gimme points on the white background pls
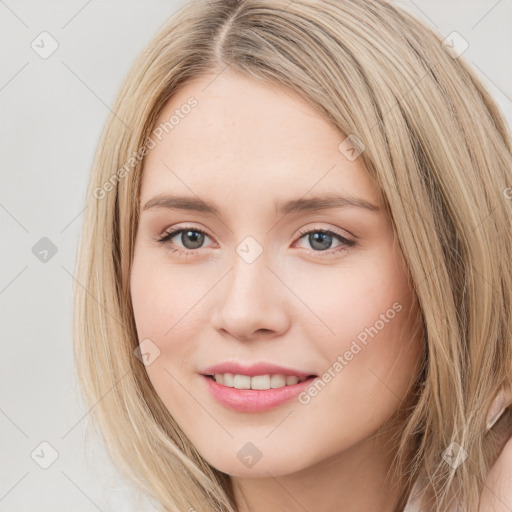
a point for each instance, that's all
(53, 112)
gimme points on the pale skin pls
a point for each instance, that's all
(497, 492)
(242, 148)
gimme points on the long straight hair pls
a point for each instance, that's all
(439, 150)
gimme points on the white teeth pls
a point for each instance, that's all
(291, 379)
(260, 382)
(277, 381)
(257, 382)
(241, 382)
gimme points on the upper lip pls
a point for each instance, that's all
(251, 370)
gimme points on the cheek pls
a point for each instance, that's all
(162, 296)
(168, 307)
(347, 301)
(369, 341)
(160, 305)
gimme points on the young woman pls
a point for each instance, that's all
(295, 285)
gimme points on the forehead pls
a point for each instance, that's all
(243, 139)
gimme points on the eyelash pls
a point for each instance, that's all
(190, 252)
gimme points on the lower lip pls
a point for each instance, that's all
(254, 400)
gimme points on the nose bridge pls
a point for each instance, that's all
(250, 298)
(249, 274)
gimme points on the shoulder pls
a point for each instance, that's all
(497, 492)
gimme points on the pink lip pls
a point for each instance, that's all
(254, 369)
(254, 400)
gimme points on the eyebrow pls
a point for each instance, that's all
(290, 206)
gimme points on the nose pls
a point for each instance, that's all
(252, 301)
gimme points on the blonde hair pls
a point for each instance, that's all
(440, 152)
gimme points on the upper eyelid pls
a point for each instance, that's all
(304, 231)
(179, 229)
(301, 232)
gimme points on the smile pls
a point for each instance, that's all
(254, 399)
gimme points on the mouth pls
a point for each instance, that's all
(246, 394)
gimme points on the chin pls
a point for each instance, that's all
(247, 462)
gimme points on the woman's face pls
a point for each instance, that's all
(314, 286)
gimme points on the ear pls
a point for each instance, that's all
(502, 400)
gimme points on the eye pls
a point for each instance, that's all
(191, 237)
(321, 240)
